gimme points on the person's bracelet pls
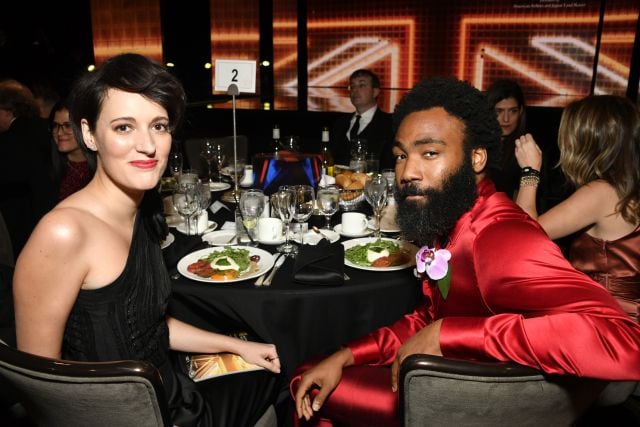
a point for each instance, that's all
(529, 177)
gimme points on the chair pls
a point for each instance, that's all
(193, 146)
(63, 393)
(436, 391)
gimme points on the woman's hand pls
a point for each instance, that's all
(528, 153)
(264, 355)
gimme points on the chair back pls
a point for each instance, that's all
(64, 393)
(436, 391)
(193, 146)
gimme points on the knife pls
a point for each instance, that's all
(266, 273)
(279, 262)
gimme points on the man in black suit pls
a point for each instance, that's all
(368, 122)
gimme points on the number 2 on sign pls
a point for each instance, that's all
(235, 75)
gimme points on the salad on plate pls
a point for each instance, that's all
(378, 253)
(227, 264)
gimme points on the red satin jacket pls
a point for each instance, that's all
(514, 297)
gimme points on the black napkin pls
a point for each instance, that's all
(322, 264)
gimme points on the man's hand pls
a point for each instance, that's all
(326, 375)
(427, 341)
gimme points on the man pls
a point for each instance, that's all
(512, 296)
(368, 123)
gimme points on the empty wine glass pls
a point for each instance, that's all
(175, 163)
(375, 191)
(329, 202)
(303, 205)
(284, 200)
(251, 206)
(185, 202)
(208, 153)
(203, 197)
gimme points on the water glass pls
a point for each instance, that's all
(283, 204)
(329, 202)
(375, 191)
(250, 208)
(303, 206)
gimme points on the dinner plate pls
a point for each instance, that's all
(265, 263)
(312, 238)
(182, 227)
(410, 247)
(385, 228)
(219, 186)
(219, 238)
(169, 240)
(338, 229)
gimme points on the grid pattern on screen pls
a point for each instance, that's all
(285, 54)
(125, 26)
(235, 34)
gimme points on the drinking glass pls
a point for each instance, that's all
(303, 205)
(175, 163)
(358, 151)
(375, 191)
(329, 202)
(284, 200)
(208, 153)
(185, 202)
(251, 206)
(203, 197)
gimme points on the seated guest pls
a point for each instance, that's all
(71, 170)
(91, 284)
(368, 122)
(599, 141)
(511, 296)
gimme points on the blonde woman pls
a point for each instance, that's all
(599, 140)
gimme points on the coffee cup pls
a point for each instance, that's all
(269, 229)
(354, 223)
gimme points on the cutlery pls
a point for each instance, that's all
(317, 230)
(279, 262)
(264, 275)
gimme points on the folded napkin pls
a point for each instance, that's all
(322, 264)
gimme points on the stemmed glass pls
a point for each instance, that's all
(329, 202)
(284, 200)
(251, 206)
(209, 154)
(303, 206)
(175, 163)
(375, 191)
(203, 197)
(185, 202)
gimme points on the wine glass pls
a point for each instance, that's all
(251, 206)
(329, 202)
(185, 202)
(209, 154)
(375, 191)
(175, 163)
(203, 197)
(284, 200)
(303, 206)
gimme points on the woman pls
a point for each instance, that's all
(506, 97)
(70, 168)
(91, 283)
(599, 140)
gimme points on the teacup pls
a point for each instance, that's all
(354, 223)
(269, 229)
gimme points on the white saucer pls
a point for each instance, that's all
(220, 238)
(338, 229)
(385, 228)
(211, 225)
(272, 242)
(312, 238)
(169, 240)
(219, 186)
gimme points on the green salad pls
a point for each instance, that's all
(239, 256)
(367, 254)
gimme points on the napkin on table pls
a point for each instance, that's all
(322, 264)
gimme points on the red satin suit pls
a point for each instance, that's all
(513, 297)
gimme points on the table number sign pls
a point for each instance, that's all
(235, 71)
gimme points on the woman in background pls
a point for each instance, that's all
(70, 168)
(91, 284)
(599, 140)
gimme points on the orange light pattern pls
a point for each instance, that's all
(124, 26)
(285, 53)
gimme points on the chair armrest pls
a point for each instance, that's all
(465, 367)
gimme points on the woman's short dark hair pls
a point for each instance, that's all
(461, 100)
(127, 72)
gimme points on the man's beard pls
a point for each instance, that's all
(429, 222)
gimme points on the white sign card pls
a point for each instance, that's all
(236, 71)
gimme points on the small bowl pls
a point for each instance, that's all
(350, 199)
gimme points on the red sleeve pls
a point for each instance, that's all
(565, 322)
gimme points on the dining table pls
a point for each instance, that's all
(302, 320)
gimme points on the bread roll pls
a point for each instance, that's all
(343, 180)
(359, 176)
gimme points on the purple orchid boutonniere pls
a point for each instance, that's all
(435, 263)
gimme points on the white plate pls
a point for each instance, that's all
(410, 247)
(182, 227)
(169, 240)
(219, 238)
(338, 229)
(265, 263)
(312, 238)
(273, 242)
(219, 186)
(387, 229)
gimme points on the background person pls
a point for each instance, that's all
(599, 142)
(91, 284)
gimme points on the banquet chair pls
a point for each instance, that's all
(62, 393)
(436, 391)
(193, 146)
